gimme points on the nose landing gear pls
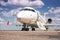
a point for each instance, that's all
(25, 27)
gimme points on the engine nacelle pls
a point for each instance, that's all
(49, 20)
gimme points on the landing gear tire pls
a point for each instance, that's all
(46, 28)
(25, 29)
(33, 29)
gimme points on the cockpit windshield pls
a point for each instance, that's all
(28, 10)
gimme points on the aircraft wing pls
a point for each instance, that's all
(51, 24)
(16, 25)
(10, 24)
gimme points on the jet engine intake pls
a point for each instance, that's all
(49, 20)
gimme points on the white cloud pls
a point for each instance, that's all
(57, 10)
(10, 13)
(54, 10)
(37, 3)
(1, 8)
(24, 3)
(1, 19)
(3, 3)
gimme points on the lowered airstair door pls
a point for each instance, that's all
(40, 25)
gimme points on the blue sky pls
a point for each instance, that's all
(44, 6)
(9, 8)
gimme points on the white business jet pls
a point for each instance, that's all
(31, 17)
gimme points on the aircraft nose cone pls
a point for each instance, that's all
(22, 14)
(19, 15)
